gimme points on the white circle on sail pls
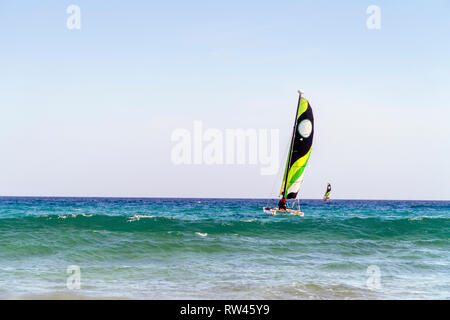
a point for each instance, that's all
(305, 128)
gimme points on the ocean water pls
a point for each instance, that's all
(223, 249)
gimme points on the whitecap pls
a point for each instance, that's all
(201, 234)
(138, 217)
(420, 218)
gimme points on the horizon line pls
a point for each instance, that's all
(207, 198)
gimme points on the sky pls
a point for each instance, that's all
(92, 111)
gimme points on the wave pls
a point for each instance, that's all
(275, 227)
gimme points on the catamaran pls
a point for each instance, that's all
(326, 196)
(298, 156)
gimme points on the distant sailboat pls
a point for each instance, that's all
(299, 152)
(326, 196)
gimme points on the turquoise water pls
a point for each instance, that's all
(224, 249)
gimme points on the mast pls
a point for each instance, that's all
(290, 148)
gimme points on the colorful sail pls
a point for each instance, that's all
(326, 196)
(299, 151)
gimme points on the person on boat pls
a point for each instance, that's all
(282, 204)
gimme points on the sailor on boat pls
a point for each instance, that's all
(282, 204)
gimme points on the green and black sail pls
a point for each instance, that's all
(326, 196)
(299, 151)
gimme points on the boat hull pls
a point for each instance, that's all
(276, 211)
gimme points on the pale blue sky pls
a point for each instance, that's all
(90, 112)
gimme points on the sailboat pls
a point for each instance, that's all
(326, 196)
(298, 156)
